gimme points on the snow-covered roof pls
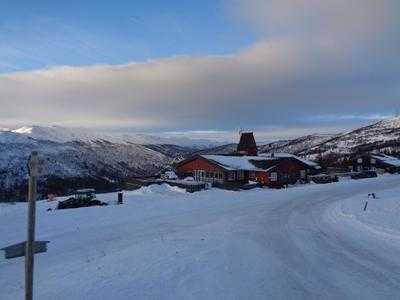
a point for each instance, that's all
(390, 160)
(245, 162)
(288, 155)
(235, 162)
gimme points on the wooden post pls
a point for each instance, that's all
(120, 197)
(33, 165)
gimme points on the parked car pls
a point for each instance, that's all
(364, 174)
(324, 178)
(82, 198)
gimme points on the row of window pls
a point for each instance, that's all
(273, 176)
(212, 175)
(232, 175)
(372, 160)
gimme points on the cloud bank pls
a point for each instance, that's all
(314, 58)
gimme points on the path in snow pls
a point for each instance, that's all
(211, 245)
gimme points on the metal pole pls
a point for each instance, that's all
(29, 255)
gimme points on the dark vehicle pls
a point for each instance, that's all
(364, 174)
(324, 178)
(82, 198)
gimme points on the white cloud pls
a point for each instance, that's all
(315, 58)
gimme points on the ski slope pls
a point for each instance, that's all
(307, 242)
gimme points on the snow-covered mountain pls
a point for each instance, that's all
(383, 136)
(292, 146)
(80, 158)
(297, 145)
(63, 134)
(73, 157)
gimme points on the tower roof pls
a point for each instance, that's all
(247, 143)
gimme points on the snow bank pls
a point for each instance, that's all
(163, 243)
(163, 189)
(381, 217)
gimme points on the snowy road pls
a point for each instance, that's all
(287, 244)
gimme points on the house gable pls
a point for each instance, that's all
(198, 163)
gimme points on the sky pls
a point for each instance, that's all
(200, 68)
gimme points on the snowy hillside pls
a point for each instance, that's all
(292, 146)
(296, 145)
(103, 159)
(309, 242)
(223, 149)
(96, 161)
(381, 136)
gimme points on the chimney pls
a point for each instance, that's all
(247, 144)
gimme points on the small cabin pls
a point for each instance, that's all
(373, 162)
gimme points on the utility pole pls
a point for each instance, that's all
(33, 169)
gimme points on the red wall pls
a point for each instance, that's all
(197, 164)
(252, 151)
(285, 167)
(289, 167)
(262, 177)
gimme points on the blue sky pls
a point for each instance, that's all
(200, 66)
(41, 34)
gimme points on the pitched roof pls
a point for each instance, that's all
(233, 163)
(278, 156)
(250, 163)
(246, 142)
(387, 159)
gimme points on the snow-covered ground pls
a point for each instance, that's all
(307, 242)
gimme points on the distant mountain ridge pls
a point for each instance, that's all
(297, 145)
(75, 159)
(62, 134)
(78, 159)
(382, 136)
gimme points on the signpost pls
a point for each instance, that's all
(35, 169)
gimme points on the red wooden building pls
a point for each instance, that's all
(234, 170)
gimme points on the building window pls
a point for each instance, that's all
(241, 174)
(273, 176)
(199, 175)
(231, 176)
(252, 175)
(302, 174)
